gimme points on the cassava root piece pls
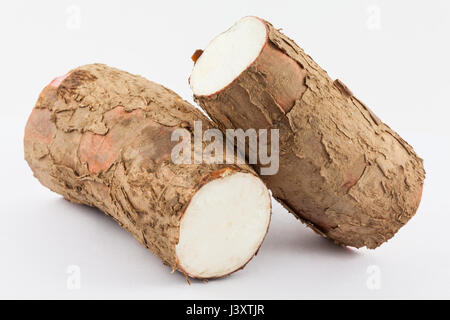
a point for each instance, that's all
(102, 137)
(341, 170)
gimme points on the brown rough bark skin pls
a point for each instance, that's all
(102, 137)
(342, 171)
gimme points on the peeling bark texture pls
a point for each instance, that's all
(102, 137)
(342, 171)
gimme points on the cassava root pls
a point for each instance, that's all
(102, 137)
(341, 169)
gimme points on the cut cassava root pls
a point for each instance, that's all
(341, 170)
(102, 137)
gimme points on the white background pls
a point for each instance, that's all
(394, 55)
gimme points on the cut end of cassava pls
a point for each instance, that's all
(223, 226)
(228, 55)
(347, 193)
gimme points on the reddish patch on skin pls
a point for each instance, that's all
(39, 127)
(354, 173)
(350, 183)
(100, 151)
(58, 80)
(284, 74)
(119, 114)
(97, 151)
